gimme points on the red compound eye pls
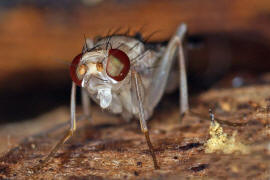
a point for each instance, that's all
(73, 70)
(118, 64)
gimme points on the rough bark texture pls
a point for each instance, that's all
(109, 148)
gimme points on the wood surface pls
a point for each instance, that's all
(109, 148)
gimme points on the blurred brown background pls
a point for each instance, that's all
(39, 38)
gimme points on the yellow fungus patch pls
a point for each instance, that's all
(220, 141)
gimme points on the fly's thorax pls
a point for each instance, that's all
(131, 46)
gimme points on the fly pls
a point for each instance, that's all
(116, 72)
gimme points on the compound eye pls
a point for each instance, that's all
(77, 72)
(118, 64)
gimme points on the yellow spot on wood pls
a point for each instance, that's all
(220, 141)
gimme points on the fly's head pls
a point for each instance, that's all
(100, 71)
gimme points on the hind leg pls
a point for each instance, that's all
(161, 74)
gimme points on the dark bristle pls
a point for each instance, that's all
(85, 47)
(127, 31)
(138, 36)
(116, 31)
(109, 32)
(108, 42)
(155, 46)
(98, 38)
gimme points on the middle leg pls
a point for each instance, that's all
(137, 84)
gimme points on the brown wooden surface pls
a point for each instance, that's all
(109, 148)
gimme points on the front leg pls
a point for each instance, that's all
(86, 103)
(86, 108)
(68, 134)
(138, 96)
(161, 74)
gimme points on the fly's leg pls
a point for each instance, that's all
(138, 86)
(69, 133)
(86, 109)
(183, 87)
(162, 72)
(86, 103)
